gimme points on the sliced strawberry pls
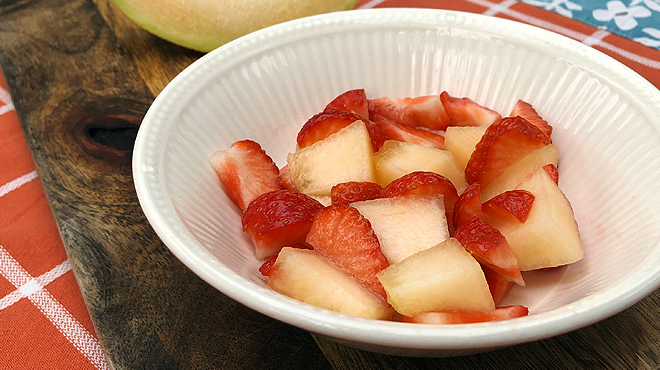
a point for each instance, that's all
(328, 122)
(551, 170)
(279, 218)
(286, 180)
(341, 234)
(376, 134)
(510, 206)
(324, 124)
(488, 246)
(246, 171)
(265, 267)
(468, 205)
(424, 183)
(498, 284)
(409, 134)
(354, 191)
(423, 111)
(353, 101)
(526, 111)
(421, 183)
(465, 112)
(503, 144)
(468, 317)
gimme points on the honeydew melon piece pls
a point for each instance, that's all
(461, 142)
(442, 278)
(550, 236)
(305, 275)
(398, 158)
(406, 225)
(344, 156)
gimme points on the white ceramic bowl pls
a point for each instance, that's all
(265, 85)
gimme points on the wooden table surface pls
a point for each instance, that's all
(82, 76)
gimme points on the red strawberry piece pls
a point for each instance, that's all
(279, 218)
(498, 284)
(286, 180)
(246, 171)
(328, 122)
(423, 111)
(468, 317)
(551, 170)
(503, 144)
(353, 101)
(376, 134)
(527, 111)
(324, 124)
(424, 183)
(409, 134)
(468, 205)
(265, 267)
(465, 112)
(421, 183)
(341, 234)
(510, 206)
(354, 191)
(488, 246)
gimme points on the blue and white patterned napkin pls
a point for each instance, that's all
(638, 20)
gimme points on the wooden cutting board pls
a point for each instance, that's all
(82, 76)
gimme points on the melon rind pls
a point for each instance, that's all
(204, 25)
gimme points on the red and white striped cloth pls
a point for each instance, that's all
(44, 323)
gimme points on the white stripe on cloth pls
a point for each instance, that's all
(33, 289)
(499, 8)
(6, 99)
(17, 183)
(33, 285)
(596, 37)
(370, 4)
(588, 39)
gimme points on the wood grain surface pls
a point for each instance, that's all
(82, 76)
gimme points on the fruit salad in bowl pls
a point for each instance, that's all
(385, 223)
(415, 182)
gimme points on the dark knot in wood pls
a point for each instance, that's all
(109, 137)
(114, 132)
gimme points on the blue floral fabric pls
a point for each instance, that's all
(637, 20)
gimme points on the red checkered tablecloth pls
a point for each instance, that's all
(44, 323)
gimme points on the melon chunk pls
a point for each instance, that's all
(305, 275)
(442, 278)
(406, 225)
(461, 142)
(550, 236)
(397, 158)
(344, 156)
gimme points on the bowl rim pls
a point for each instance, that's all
(396, 334)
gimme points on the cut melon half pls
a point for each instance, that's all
(204, 25)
